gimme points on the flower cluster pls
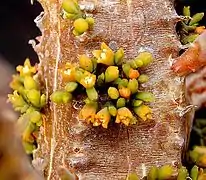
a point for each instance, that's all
(107, 74)
(190, 26)
(28, 100)
(72, 11)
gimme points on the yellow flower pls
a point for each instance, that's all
(144, 112)
(124, 116)
(105, 55)
(88, 80)
(102, 117)
(27, 69)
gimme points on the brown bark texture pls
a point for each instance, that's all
(110, 154)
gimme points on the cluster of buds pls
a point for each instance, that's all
(107, 74)
(166, 172)
(28, 100)
(190, 26)
(72, 11)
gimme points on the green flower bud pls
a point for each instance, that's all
(189, 39)
(30, 83)
(113, 93)
(105, 55)
(60, 97)
(194, 173)
(126, 68)
(186, 11)
(136, 103)
(182, 174)
(145, 96)
(196, 18)
(35, 116)
(92, 94)
(165, 172)
(112, 110)
(118, 57)
(86, 63)
(117, 81)
(81, 25)
(111, 74)
(133, 85)
(28, 147)
(132, 176)
(153, 173)
(144, 112)
(121, 102)
(138, 62)
(71, 86)
(90, 21)
(100, 79)
(34, 96)
(145, 57)
(143, 78)
(43, 100)
(27, 134)
(123, 83)
(71, 6)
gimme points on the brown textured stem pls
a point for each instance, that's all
(107, 154)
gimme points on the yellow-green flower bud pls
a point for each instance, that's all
(144, 112)
(76, 33)
(196, 18)
(86, 63)
(34, 96)
(143, 78)
(145, 57)
(92, 94)
(186, 11)
(71, 86)
(126, 68)
(194, 173)
(189, 39)
(121, 102)
(123, 83)
(90, 21)
(165, 172)
(27, 134)
(113, 93)
(30, 83)
(28, 147)
(103, 117)
(88, 80)
(138, 62)
(39, 123)
(136, 103)
(71, 6)
(111, 74)
(60, 97)
(133, 85)
(43, 100)
(81, 25)
(118, 57)
(124, 116)
(153, 173)
(182, 174)
(112, 110)
(132, 176)
(17, 82)
(35, 116)
(100, 79)
(145, 96)
(105, 55)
